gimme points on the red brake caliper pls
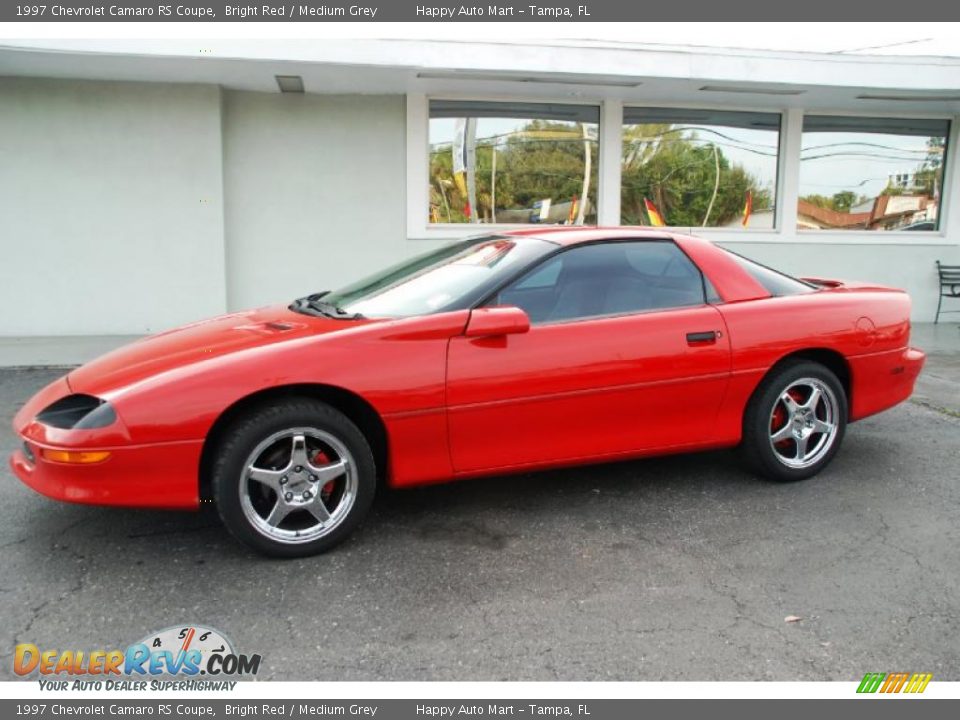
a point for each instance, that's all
(780, 418)
(321, 458)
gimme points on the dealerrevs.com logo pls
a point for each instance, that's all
(184, 652)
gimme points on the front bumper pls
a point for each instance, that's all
(150, 476)
(156, 475)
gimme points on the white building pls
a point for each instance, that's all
(148, 184)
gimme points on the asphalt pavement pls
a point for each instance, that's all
(683, 568)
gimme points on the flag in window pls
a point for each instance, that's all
(656, 219)
(747, 209)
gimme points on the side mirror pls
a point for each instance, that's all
(492, 321)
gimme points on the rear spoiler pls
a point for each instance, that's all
(828, 284)
(823, 282)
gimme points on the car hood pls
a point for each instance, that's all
(200, 342)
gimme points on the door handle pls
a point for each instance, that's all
(707, 337)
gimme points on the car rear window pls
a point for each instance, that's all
(774, 282)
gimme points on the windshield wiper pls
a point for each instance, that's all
(322, 307)
(332, 310)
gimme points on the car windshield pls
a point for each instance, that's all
(448, 278)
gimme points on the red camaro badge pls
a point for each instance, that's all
(504, 353)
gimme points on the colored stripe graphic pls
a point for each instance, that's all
(870, 682)
(894, 682)
(918, 682)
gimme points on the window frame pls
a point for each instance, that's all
(937, 236)
(781, 159)
(610, 149)
(527, 272)
(422, 227)
(418, 163)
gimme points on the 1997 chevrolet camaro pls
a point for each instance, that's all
(504, 353)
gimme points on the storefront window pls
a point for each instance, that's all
(859, 173)
(699, 168)
(513, 163)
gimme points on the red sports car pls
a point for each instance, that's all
(504, 353)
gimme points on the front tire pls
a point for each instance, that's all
(795, 422)
(294, 478)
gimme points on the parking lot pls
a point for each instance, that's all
(682, 568)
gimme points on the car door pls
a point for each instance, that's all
(624, 356)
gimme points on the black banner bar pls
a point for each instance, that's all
(439, 11)
(874, 708)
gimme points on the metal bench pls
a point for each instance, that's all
(949, 286)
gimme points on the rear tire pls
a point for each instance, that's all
(294, 478)
(795, 422)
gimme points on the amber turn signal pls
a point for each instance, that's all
(74, 457)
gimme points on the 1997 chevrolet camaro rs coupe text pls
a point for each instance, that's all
(509, 352)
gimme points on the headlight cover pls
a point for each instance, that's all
(78, 412)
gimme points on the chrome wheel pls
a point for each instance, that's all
(298, 485)
(803, 423)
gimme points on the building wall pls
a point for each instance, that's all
(314, 192)
(129, 208)
(111, 206)
(911, 267)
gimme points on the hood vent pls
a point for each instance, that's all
(270, 327)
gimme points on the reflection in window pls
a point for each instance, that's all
(699, 168)
(447, 278)
(513, 163)
(860, 173)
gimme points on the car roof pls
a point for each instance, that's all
(573, 235)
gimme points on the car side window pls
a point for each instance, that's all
(611, 278)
